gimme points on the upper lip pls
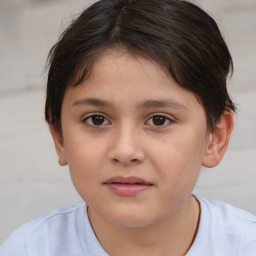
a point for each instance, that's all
(126, 180)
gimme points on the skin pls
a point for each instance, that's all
(127, 93)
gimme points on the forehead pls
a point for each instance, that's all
(117, 75)
(132, 66)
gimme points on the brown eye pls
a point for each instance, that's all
(96, 120)
(159, 120)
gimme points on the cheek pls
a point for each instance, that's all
(178, 169)
(179, 159)
(84, 160)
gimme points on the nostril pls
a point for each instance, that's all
(127, 161)
(126, 156)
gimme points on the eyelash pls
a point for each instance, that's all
(89, 120)
(86, 120)
(166, 119)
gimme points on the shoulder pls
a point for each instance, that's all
(231, 218)
(32, 235)
(225, 228)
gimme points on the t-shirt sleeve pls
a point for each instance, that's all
(15, 244)
(54, 233)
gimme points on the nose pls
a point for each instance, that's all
(126, 147)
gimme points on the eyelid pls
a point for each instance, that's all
(171, 120)
(168, 117)
(86, 117)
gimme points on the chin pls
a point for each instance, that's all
(132, 220)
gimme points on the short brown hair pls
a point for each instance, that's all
(177, 34)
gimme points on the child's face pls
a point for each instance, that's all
(130, 119)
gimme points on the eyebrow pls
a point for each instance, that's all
(162, 103)
(91, 102)
(143, 104)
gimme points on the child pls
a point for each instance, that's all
(137, 103)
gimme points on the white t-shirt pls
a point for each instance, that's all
(223, 231)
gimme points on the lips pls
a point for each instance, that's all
(127, 186)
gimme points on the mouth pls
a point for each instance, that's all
(127, 186)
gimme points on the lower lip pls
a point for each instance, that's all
(128, 189)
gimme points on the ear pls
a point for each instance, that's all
(59, 146)
(218, 140)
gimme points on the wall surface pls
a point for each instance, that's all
(31, 182)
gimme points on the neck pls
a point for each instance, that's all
(172, 235)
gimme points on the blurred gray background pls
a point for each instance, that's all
(31, 182)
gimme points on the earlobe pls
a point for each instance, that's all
(59, 146)
(218, 140)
